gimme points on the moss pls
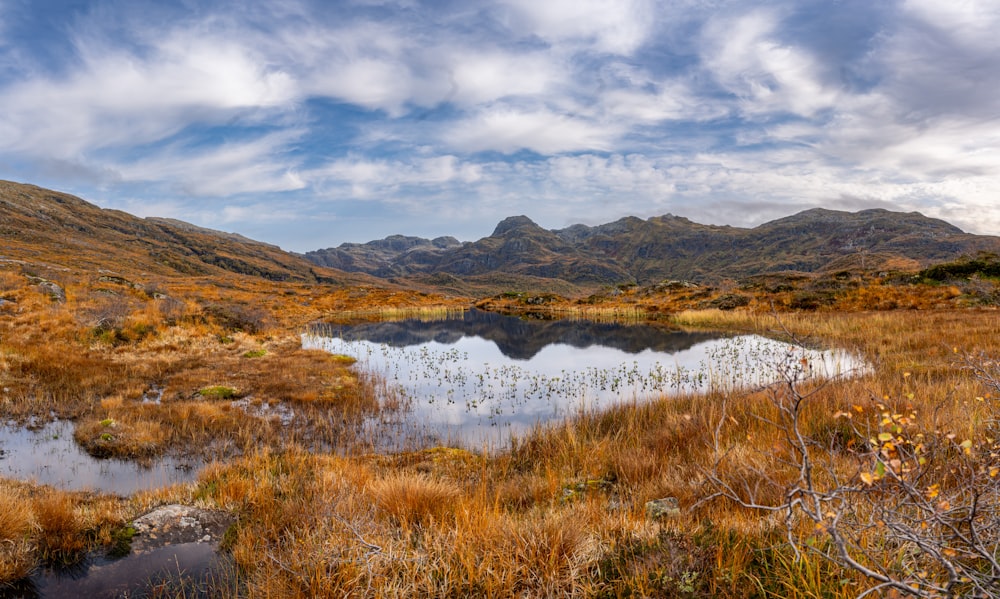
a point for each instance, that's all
(219, 392)
(121, 541)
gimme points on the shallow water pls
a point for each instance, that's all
(477, 380)
(184, 565)
(49, 455)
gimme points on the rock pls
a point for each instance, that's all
(666, 507)
(176, 524)
(54, 291)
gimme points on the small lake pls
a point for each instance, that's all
(476, 379)
(48, 455)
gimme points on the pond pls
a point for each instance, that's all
(479, 378)
(49, 455)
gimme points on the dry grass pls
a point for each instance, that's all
(414, 500)
(61, 536)
(560, 514)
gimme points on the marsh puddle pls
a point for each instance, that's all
(49, 455)
(138, 575)
(477, 379)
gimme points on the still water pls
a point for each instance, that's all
(478, 379)
(48, 455)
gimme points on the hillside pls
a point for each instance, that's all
(49, 228)
(644, 252)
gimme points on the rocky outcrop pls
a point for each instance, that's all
(633, 250)
(177, 524)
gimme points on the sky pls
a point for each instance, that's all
(308, 124)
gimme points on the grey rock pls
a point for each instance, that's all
(666, 507)
(54, 291)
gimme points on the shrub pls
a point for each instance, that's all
(919, 511)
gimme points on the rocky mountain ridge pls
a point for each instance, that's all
(643, 252)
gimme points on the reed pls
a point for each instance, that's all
(395, 313)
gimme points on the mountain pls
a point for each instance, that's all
(40, 226)
(633, 250)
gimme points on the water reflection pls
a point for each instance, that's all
(517, 338)
(475, 381)
(186, 569)
(49, 455)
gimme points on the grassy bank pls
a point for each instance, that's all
(562, 513)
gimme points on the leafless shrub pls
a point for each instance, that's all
(915, 510)
(109, 313)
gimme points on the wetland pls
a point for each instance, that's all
(475, 379)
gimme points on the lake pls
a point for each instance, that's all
(477, 379)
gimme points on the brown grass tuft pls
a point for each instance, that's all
(414, 499)
(16, 517)
(61, 538)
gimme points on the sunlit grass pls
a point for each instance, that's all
(389, 314)
(561, 513)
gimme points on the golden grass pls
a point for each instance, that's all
(16, 516)
(61, 537)
(559, 514)
(422, 313)
(411, 500)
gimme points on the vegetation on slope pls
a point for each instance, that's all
(563, 512)
(645, 252)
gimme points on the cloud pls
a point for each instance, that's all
(481, 77)
(505, 129)
(366, 178)
(118, 97)
(611, 26)
(768, 76)
(227, 169)
(417, 116)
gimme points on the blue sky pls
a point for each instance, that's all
(311, 123)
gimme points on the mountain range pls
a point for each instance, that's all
(645, 252)
(44, 227)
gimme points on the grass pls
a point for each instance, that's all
(319, 517)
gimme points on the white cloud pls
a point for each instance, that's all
(671, 100)
(481, 77)
(721, 111)
(508, 130)
(222, 170)
(768, 76)
(612, 26)
(118, 97)
(366, 178)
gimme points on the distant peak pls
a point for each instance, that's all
(513, 222)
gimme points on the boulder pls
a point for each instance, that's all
(659, 509)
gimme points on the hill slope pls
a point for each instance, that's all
(632, 250)
(47, 227)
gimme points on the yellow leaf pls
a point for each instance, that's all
(867, 478)
(885, 436)
(933, 491)
(994, 471)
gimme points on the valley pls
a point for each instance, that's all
(150, 340)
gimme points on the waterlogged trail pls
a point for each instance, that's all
(466, 390)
